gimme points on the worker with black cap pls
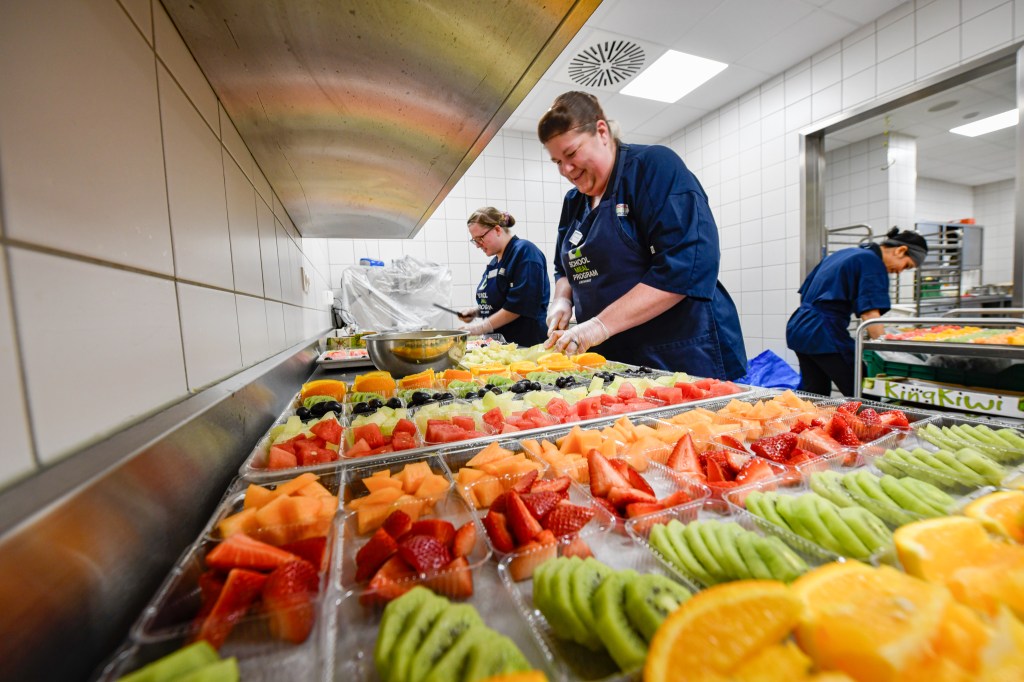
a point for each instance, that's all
(850, 281)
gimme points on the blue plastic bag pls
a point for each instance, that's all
(768, 370)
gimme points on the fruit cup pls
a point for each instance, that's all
(449, 422)
(372, 491)
(635, 592)
(358, 618)
(871, 420)
(797, 513)
(131, 656)
(292, 446)
(259, 603)
(706, 546)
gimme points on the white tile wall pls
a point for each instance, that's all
(96, 163)
(940, 201)
(994, 210)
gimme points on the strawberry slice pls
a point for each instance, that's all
(815, 440)
(566, 519)
(241, 551)
(775, 448)
(288, 600)
(603, 476)
(500, 503)
(439, 529)
(240, 590)
(391, 581)
(869, 416)
(638, 481)
(558, 485)
(424, 553)
(210, 585)
(851, 406)
(522, 523)
(525, 482)
(577, 547)
(496, 525)
(465, 540)
(313, 550)
(540, 504)
(621, 466)
(675, 499)
(641, 508)
(732, 442)
(840, 430)
(735, 461)
(397, 524)
(715, 472)
(621, 497)
(455, 581)
(684, 456)
(755, 470)
(798, 427)
(605, 504)
(374, 553)
(895, 419)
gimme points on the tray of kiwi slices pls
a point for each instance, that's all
(390, 635)
(595, 603)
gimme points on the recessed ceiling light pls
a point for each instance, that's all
(988, 125)
(942, 106)
(969, 116)
(672, 76)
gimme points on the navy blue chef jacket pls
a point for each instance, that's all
(654, 226)
(519, 284)
(849, 281)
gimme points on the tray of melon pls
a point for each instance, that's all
(405, 525)
(256, 592)
(596, 607)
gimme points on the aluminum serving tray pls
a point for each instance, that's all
(574, 662)
(342, 363)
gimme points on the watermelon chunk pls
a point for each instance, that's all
(464, 423)
(370, 433)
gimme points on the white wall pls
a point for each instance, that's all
(943, 202)
(143, 255)
(993, 209)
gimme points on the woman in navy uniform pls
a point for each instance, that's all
(512, 297)
(637, 252)
(850, 281)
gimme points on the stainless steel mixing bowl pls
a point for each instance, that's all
(404, 353)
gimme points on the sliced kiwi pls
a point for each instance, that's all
(455, 620)
(626, 646)
(587, 577)
(413, 631)
(561, 597)
(499, 655)
(455, 660)
(649, 600)
(392, 625)
(690, 563)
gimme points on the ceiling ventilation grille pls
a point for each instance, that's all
(606, 63)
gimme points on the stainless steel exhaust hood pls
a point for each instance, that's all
(363, 114)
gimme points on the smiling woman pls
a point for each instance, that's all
(513, 293)
(637, 252)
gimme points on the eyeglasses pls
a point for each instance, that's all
(480, 240)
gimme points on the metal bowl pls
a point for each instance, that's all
(404, 353)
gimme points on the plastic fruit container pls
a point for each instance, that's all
(640, 530)
(369, 502)
(255, 467)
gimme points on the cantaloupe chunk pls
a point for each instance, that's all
(433, 485)
(314, 489)
(297, 483)
(287, 519)
(371, 517)
(256, 496)
(650, 448)
(467, 475)
(383, 473)
(609, 448)
(531, 446)
(375, 483)
(485, 491)
(491, 453)
(412, 475)
(242, 522)
(383, 496)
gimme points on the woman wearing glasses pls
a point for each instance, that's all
(637, 252)
(512, 297)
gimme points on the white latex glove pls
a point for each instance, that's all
(478, 327)
(468, 314)
(580, 338)
(559, 312)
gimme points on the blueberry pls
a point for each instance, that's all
(445, 396)
(303, 414)
(318, 410)
(419, 398)
(469, 395)
(488, 387)
(375, 404)
(394, 403)
(481, 393)
(644, 370)
(495, 390)
(534, 385)
(516, 388)
(360, 408)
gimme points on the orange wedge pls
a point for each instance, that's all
(718, 630)
(332, 387)
(1002, 513)
(589, 359)
(451, 375)
(424, 379)
(374, 382)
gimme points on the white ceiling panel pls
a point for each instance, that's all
(737, 26)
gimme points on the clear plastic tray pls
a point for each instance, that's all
(355, 628)
(1013, 477)
(640, 529)
(788, 486)
(574, 661)
(354, 488)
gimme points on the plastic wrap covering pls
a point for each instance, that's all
(396, 298)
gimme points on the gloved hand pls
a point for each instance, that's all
(559, 312)
(580, 338)
(468, 314)
(481, 326)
